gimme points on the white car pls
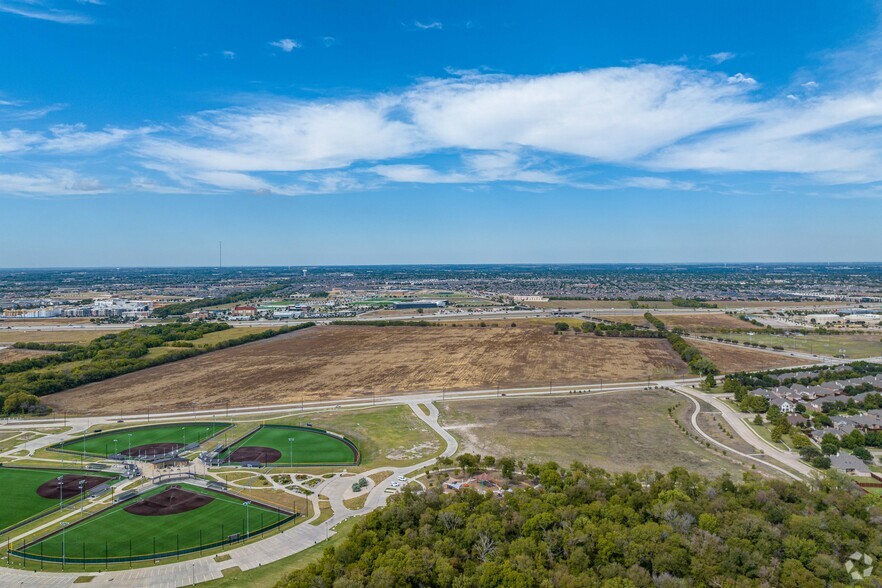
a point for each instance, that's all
(402, 479)
(395, 484)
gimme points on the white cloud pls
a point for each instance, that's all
(609, 114)
(75, 138)
(655, 183)
(58, 182)
(810, 85)
(290, 136)
(228, 54)
(286, 45)
(329, 41)
(740, 78)
(428, 25)
(721, 56)
(31, 9)
(17, 140)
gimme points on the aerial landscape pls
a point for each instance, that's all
(360, 294)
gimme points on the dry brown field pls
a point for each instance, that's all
(697, 322)
(729, 358)
(708, 321)
(621, 431)
(346, 362)
(8, 337)
(10, 354)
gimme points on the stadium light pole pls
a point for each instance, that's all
(82, 495)
(60, 492)
(291, 452)
(64, 525)
(246, 504)
(130, 445)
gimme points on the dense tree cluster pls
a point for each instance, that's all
(107, 357)
(691, 303)
(857, 369)
(698, 364)
(655, 321)
(618, 330)
(585, 527)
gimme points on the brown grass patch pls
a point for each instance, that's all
(345, 362)
(11, 354)
(9, 336)
(621, 431)
(730, 358)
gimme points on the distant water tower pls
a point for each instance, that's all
(304, 272)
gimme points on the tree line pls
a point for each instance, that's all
(585, 527)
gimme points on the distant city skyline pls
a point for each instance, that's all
(350, 133)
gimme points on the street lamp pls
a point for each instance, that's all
(60, 491)
(291, 453)
(82, 495)
(64, 525)
(246, 504)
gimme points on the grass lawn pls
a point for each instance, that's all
(855, 345)
(111, 442)
(19, 490)
(309, 446)
(386, 436)
(113, 529)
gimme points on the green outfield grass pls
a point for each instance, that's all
(310, 446)
(113, 532)
(117, 440)
(18, 488)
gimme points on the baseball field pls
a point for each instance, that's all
(30, 492)
(286, 445)
(168, 521)
(148, 441)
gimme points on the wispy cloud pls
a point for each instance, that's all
(721, 57)
(286, 45)
(37, 10)
(228, 54)
(54, 183)
(428, 25)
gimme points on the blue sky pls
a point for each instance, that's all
(325, 132)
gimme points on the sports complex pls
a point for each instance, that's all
(179, 509)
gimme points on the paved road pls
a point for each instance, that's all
(734, 420)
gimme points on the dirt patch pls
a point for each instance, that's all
(11, 354)
(697, 322)
(329, 362)
(255, 454)
(730, 358)
(168, 502)
(151, 450)
(70, 486)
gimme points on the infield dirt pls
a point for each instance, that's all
(324, 363)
